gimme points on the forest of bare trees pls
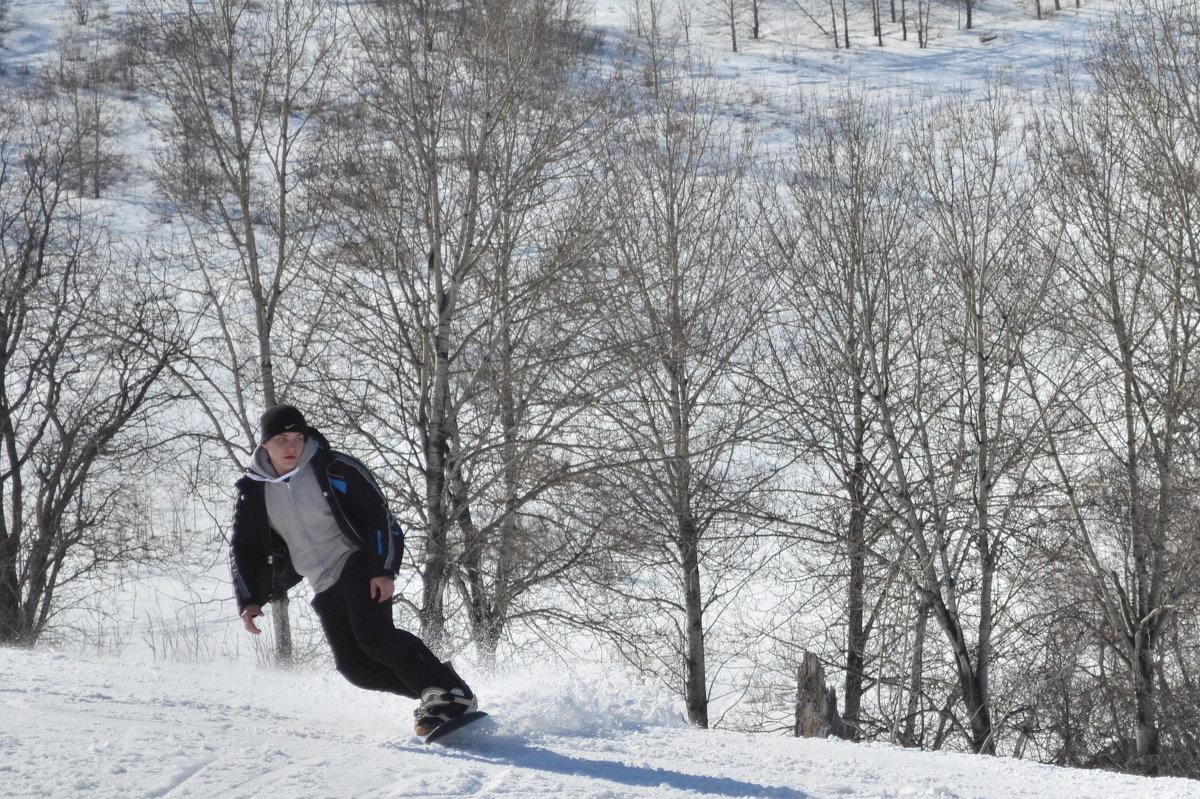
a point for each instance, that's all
(907, 391)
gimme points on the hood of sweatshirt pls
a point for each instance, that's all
(262, 470)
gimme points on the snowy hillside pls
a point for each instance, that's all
(138, 724)
(96, 728)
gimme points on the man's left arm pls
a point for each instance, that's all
(381, 534)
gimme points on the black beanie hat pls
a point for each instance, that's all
(282, 419)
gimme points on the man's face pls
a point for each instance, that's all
(284, 451)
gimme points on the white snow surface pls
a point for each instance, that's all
(90, 727)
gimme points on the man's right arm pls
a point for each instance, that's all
(247, 561)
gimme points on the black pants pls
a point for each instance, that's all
(367, 647)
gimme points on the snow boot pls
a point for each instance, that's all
(440, 704)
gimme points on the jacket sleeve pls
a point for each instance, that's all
(364, 505)
(249, 560)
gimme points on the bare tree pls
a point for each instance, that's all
(958, 430)
(85, 347)
(5, 25)
(464, 175)
(729, 13)
(923, 11)
(241, 85)
(1122, 162)
(840, 229)
(83, 77)
(685, 308)
(88, 11)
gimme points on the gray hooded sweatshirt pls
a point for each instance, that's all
(298, 511)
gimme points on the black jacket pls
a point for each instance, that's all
(258, 557)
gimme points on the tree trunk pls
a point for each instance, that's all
(281, 626)
(433, 618)
(916, 677)
(1146, 732)
(732, 9)
(437, 449)
(696, 688)
(10, 524)
(856, 546)
(971, 679)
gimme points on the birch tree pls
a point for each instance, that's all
(241, 84)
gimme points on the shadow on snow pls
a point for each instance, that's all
(510, 751)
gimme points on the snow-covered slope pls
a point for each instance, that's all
(85, 727)
(75, 726)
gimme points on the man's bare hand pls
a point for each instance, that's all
(250, 613)
(382, 588)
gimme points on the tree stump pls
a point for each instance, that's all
(816, 703)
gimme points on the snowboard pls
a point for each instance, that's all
(450, 727)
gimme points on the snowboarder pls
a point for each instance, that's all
(307, 511)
